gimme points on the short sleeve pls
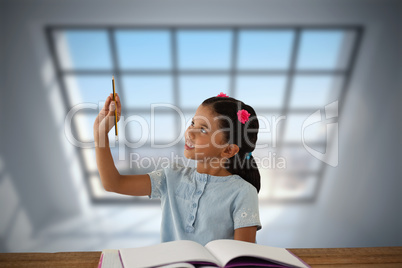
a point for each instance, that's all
(158, 183)
(246, 212)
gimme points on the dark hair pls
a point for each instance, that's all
(243, 135)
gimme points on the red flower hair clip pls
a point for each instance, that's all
(223, 95)
(243, 116)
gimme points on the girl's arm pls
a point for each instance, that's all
(112, 181)
(246, 234)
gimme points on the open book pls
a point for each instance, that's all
(188, 254)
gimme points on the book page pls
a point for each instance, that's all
(165, 253)
(225, 250)
(110, 259)
(178, 265)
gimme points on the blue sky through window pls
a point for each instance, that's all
(141, 91)
(320, 49)
(88, 49)
(144, 49)
(265, 49)
(204, 49)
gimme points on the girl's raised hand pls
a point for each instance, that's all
(105, 121)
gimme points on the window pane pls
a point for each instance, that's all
(137, 129)
(143, 49)
(146, 159)
(204, 49)
(83, 49)
(164, 128)
(268, 158)
(142, 91)
(261, 49)
(267, 163)
(266, 181)
(315, 91)
(297, 158)
(90, 160)
(312, 133)
(89, 88)
(261, 91)
(268, 132)
(84, 123)
(195, 89)
(320, 49)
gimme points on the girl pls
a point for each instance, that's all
(216, 200)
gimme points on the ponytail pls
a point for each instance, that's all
(245, 168)
(243, 135)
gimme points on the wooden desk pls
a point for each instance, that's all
(316, 257)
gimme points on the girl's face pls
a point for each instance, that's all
(204, 140)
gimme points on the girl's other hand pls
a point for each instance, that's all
(105, 121)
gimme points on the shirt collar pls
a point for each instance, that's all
(211, 178)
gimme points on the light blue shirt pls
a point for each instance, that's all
(202, 207)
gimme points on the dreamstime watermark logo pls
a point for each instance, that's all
(147, 133)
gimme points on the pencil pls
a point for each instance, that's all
(115, 110)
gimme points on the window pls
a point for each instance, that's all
(286, 73)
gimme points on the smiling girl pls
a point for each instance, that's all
(217, 199)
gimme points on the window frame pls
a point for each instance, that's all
(285, 110)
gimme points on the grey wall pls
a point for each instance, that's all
(359, 203)
(361, 197)
(2, 66)
(34, 158)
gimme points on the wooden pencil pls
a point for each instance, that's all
(115, 110)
